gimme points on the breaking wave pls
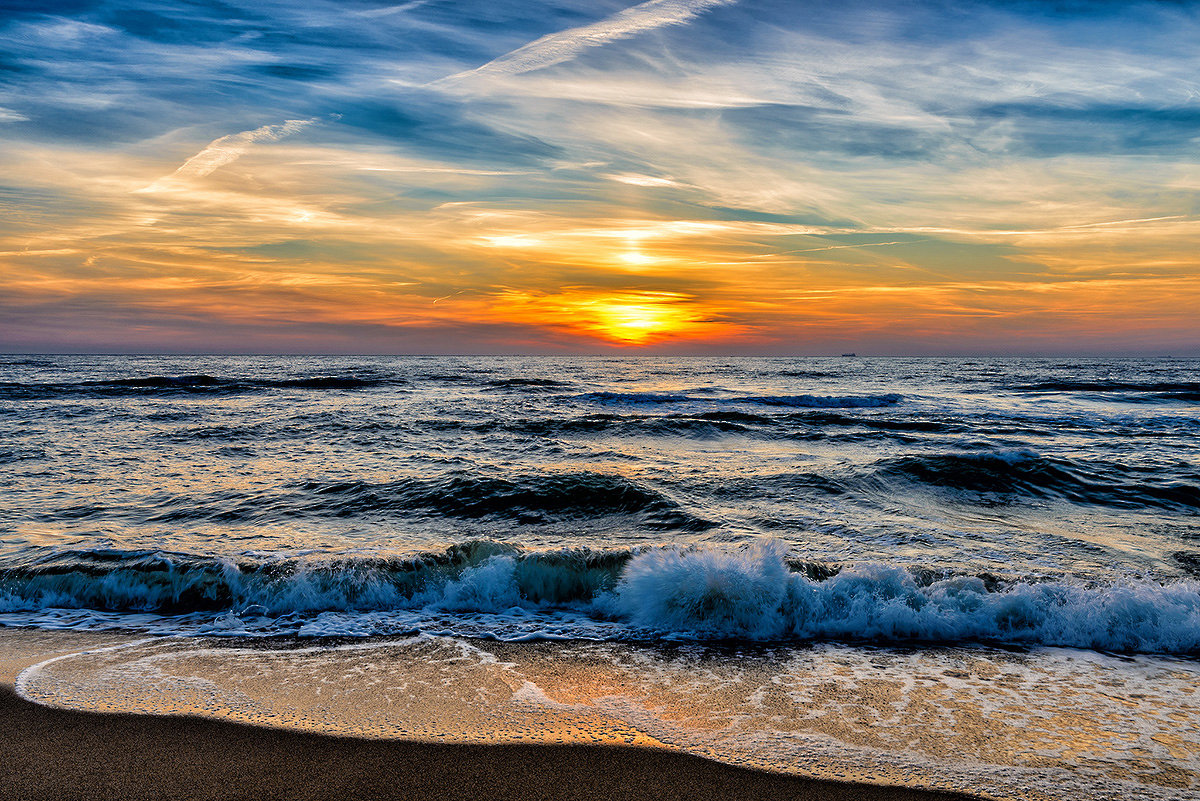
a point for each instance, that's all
(753, 593)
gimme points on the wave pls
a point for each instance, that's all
(524, 498)
(621, 424)
(707, 424)
(193, 383)
(808, 374)
(1178, 396)
(10, 455)
(1025, 473)
(450, 378)
(203, 381)
(219, 433)
(179, 584)
(797, 401)
(881, 423)
(525, 383)
(753, 593)
(1189, 561)
(802, 425)
(26, 363)
(1142, 390)
(164, 582)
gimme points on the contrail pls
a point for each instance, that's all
(556, 48)
(226, 149)
(1123, 222)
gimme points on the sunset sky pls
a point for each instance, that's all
(675, 176)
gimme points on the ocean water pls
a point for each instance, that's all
(981, 574)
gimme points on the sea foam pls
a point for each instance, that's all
(690, 593)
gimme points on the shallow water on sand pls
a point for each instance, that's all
(1049, 723)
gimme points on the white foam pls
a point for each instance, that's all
(675, 592)
(751, 594)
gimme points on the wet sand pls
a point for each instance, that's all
(55, 754)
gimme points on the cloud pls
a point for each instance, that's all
(389, 10)
(789, 167)
(558, 47)
(225, 150)
(428, 124)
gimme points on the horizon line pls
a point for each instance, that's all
(542, 355)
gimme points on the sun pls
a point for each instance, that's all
(636, 323)
(633, 318)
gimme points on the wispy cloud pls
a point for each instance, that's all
(558, 47)
(389, 10)
(225, 150)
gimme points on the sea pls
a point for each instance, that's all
(977, 574)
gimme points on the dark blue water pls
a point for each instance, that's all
(1042, 501)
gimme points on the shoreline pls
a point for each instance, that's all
(49, 753)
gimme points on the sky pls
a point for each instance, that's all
(600, 176)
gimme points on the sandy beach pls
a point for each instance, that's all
(54, 754)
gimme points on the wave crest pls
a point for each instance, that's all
(752, 593)
(1025, 473)
(525, 498)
